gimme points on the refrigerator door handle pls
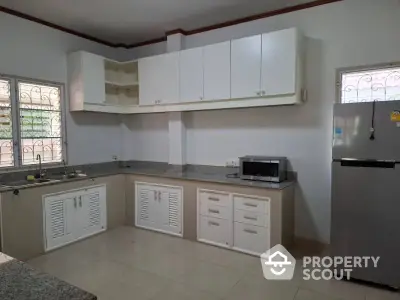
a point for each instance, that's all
(368, 163)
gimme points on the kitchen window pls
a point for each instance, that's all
(31, 122)
(368, 85)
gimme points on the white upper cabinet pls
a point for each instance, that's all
(159, 79)
(169, 77)
(86, 76)
(279, 62)
(246, 67)
(191, 75)
(148, 78)
(255, 71)
(217, 71)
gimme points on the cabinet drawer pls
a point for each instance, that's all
(216, 231)
(252, 218)
(216, 211)
(250, 238)
(251, 204)
(216, 198)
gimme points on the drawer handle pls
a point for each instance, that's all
(250, 218)
(250, 231)
(250, 205)
(215, 211)
(213, 199)
(213, 223)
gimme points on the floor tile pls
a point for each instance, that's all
(155, 261)
(304, 294)
(255, 287)
(181, 292)
(381, 294)
(341, 289)
(210, 277)
(117, 281)
(127, 262)
(227, 258)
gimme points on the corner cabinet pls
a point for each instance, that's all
(159, 207)
(100, 84)
(74, 215)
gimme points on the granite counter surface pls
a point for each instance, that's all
(205, 174)
(211, 174)
(19, 281)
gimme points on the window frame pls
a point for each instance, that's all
(341, 71)
(16, 126)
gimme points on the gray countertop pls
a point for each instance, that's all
(18, 281)
(211, 174)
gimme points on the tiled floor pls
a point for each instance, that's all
(128, 263)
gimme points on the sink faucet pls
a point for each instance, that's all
(39, 158)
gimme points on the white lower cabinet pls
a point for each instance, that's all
(250, 239)
(73, 215)
(240, 222)
(215, 231)
(159, 207)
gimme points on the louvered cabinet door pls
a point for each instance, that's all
(60, 222)
(170, 210)
(92, 212)
(146, 215)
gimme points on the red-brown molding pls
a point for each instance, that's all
(175, 31)
(261, 16)
(145, 43)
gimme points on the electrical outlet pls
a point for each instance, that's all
(115, 157)
(232, 163)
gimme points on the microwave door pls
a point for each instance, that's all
(261, 170)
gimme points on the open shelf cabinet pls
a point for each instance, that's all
(121, 82)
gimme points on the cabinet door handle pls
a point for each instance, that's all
(75, 202)
(250, 218)
(263, 92)
(80, 201)
(159, 195)
(258, 93)
(155, 195)
(213, 199)
(215, 211)
(213, 223)
(250, 231)
(250, 205)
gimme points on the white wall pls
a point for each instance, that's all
(145, 137)
(31, 50)
(343, 34)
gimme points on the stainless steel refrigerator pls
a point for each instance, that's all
(366, 187)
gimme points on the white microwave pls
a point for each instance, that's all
(263, 168)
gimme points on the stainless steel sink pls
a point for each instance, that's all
(25, 182)
(63, 176)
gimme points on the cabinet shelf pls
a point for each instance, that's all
(122, 84)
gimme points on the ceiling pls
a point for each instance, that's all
(134, 21)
